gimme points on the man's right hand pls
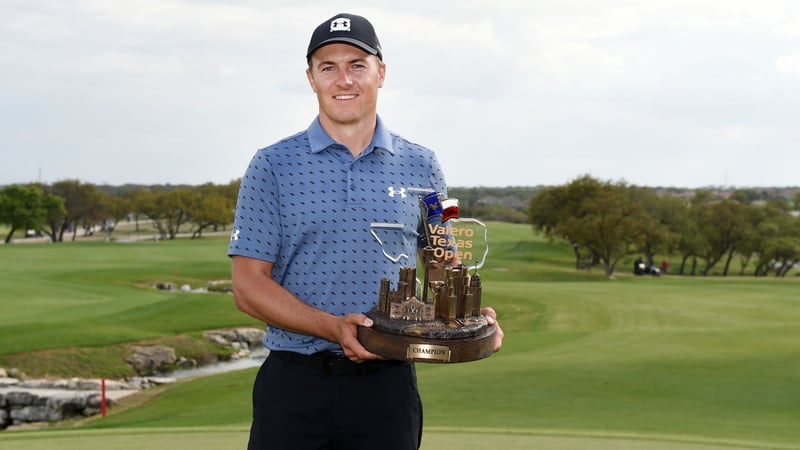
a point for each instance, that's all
(347, 332)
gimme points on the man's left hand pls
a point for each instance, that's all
(491, 318)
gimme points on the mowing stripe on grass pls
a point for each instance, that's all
(235, 438)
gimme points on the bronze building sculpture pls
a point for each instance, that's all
(439, 318)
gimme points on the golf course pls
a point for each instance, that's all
(588, 362)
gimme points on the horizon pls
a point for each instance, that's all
(450, 186)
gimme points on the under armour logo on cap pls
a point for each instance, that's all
(340, 24)
(346, 29)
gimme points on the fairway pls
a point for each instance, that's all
(94, 293)
(630, 363)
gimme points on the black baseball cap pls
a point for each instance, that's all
(347, 29)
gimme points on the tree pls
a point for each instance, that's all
(169, 211)
(487, 203)
(612, 224)
(600, 217)
(785, 253)
(549, 210)
(21, 208)
(691, 243)
(83, 206)
(761, 225)
(116, 208)
(499, 213)
(209, 206)
(722, 225)
(779, 244)
(659, 222)
(141, 201)
(55, 213)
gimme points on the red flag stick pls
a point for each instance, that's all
(103, 396)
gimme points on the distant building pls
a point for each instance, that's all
(507, 201)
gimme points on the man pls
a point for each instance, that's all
(305, 263)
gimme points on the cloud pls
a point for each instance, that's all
(788, 63)
(507, 92)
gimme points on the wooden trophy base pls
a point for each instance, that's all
(426, 349)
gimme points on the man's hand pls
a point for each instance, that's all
(491, 319)
(347, 332)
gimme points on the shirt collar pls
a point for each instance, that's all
(319, 140)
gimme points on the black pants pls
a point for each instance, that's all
(324, 402)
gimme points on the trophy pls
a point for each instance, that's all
(437, 319)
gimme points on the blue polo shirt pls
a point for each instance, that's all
(306, 204)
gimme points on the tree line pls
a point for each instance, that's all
(604, 221)
(65, 208)
(608, 221)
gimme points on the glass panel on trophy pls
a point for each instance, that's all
(431, 311)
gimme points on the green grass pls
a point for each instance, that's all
(635, 358)
(235, 438)
(93, 294)
(635, 362)
(94, 297)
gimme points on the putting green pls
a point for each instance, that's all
(235, 438)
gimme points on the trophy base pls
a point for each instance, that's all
(425, 349)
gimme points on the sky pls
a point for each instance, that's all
(670, 93)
